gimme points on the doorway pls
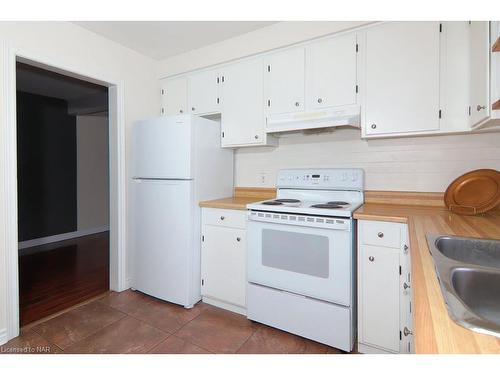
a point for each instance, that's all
(62, 190)
(8, 169)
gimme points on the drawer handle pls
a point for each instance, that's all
(222, 217)
(371, 258)
(380, 234)
(238, 239)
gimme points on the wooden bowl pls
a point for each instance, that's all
(474, 193)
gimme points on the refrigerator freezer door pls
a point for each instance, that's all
(162, 148)
(162, 239)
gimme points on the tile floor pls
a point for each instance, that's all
(131, 322)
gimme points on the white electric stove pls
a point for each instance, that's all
(301, 255)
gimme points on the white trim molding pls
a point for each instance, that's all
(8, 173)
(61, 237)
(3, 336)
(9, 178)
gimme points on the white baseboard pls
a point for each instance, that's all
(225, 305)
(3, 336)
(61, 237)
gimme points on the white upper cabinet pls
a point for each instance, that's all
(401, 78)
(204, 92)
(241, 97)
(284, 81)
(331, 72)
(173, 96)
(479, 72)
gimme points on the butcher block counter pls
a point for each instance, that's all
(240, 199)
(434, 330)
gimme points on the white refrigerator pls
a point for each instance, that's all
(176, 162)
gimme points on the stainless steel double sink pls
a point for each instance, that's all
(468, 270)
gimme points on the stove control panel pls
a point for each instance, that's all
(332, 178)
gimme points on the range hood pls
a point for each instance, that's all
(318, 119)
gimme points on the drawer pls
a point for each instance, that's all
(380, 233)
(226, 218)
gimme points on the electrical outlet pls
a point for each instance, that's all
(262, 178)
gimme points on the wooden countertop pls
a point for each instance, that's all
(434, 330)
(241, 197)
(231, 203)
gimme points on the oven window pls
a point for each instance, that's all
(296, 252)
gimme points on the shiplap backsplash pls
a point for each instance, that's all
(402, 164)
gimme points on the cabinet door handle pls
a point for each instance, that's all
(238, 239)
(181, 111)
(380, 234)
(256, 137)
(407, 332)
(371, 258)
(297, 104)
(479, 107)
(192, 108)
(374, 126)
(222, 217)
(320, 100)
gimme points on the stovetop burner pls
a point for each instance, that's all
(339, 203)
(272, 203)
(287, 200)
(325, 205)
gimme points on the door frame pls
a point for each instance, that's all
(8, 172)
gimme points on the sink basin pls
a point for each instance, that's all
(479, 290)
(470, 250)
(468, 270)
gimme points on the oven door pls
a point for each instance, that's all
(309, 261)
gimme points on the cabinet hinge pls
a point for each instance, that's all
(469, 111)
(400, 270)
(357, 47)
(269, 68)
(268, 102)
(357, 89)
(440, 113)
(202, 281)
(440, 27)
(222, 134)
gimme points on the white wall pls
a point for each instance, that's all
(92, 172)
(67, 45)
(405, 164)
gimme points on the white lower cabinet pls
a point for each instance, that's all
(384, 293)
(223, 258)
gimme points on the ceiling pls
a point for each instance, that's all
(163, 39)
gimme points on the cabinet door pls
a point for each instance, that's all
(203, 92)
(479, 71)
(174, 96)
(241, 98)
(379, 297)
(331, 72)
(223, 264)
(401, 89)
(284, 81)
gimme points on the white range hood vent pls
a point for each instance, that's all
(326, 118)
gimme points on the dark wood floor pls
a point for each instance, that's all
(56, 276)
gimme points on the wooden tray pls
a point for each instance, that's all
(474, 193)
